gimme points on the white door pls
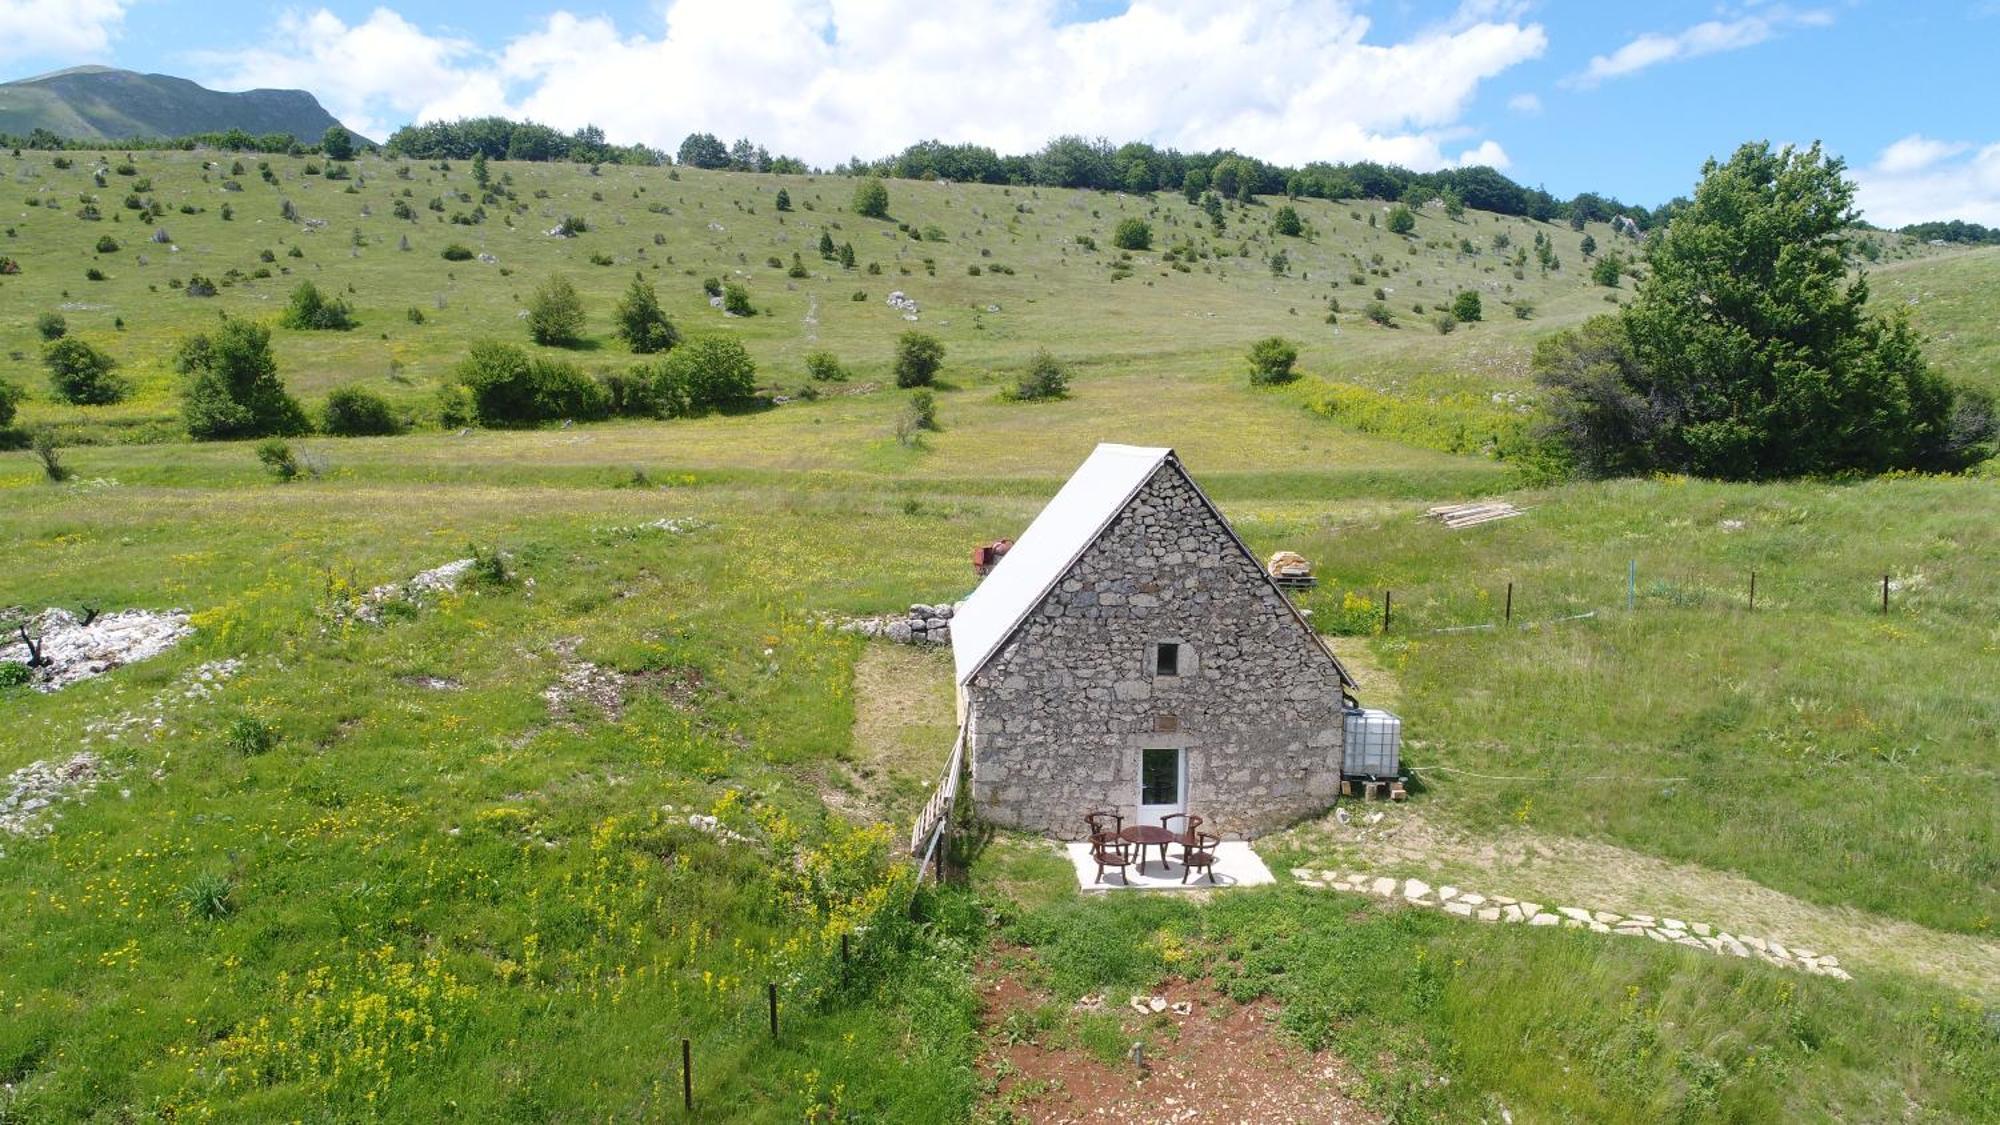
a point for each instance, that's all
(1162, 784)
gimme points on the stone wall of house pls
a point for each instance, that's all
(1058, 717)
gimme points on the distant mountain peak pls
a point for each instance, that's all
(108, 103)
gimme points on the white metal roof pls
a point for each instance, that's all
(1092, 497)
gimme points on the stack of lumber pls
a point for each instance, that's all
(1455, 516)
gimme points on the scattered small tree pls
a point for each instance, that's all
(49, 453)
(82, 375)
(871, 199)
(1132, 234)
(1606, 270)
(736, 300)
(1402, 220)
(233, 389)
(1271, 360)
(555, 316)
(337, 143)
(453, 252)
(1588, 246)
(51, 326)
(357, 412)
(783, 201)
(1287, 222)
(10, 398)
(1466, 305)
(310, 310)
(1046, 378)
(641, 323)
(918, 357)
(276, 455)
(917, 418)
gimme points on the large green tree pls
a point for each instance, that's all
(1749, 352)
(641, 323)
(233, 389)
(555, 316)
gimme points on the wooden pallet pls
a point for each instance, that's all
(1295, 581)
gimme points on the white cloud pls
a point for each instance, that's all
(71, 29)
(1706, 38)
(1528, 104)
(1918, 179)
(829, 79)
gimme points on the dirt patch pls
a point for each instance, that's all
(1547, 868)
(1203, 1059)
(30, 795)
(72, 650)
(582, 687)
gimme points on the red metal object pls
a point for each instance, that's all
(988, 556)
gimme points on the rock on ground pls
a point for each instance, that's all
(73, 651)
(29, 795)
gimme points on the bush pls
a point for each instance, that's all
(705, 373)
(1271, 360)
(8, 266)
(50, 455)
(457, 252)
(1378, 312)
(1444, 322)
(783, 202)
(871, 199)
(1286, 222)
(276, 456)
(249, 735)
(310, 310)
(917, 418)
(918, 357)
(233, 389)
(1605, 271)
(51, 326)
(509, 388)
(1046, 378)
(824, 367)
(10, 399)
(1132, 234)
(107, 245)
(95, 274)
(640, 321)
(1402, 220)
(81, 375)
(555, 316)
(736, 300)
(356, 412)
(1466, 306)
(13, 673)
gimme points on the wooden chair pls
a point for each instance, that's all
(1110, 851)
(1182, 825)
(1098, 820)
(1198, 852)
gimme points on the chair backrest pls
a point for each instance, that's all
(1109, 844)
(1178, 823)
(1097, 820)
(1206, 841)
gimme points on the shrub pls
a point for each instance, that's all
(13, 673)
(871, 198)
(1402, 220)
(457, 252)
(1132, 234)
(107, 245)
(1605, 271)
(8, 266)
(1378, 312)
(1466, 305)
(233, 389)
(706, 373)
(310, 310)
(918, 357)
(917, 418)
(1287, 222)
(736, 300)
(640, 321)
(509, 388)
(10, 398)
(249, 735)
(784, 200)
(199, 286)
(208, 897)
(49, 453)
(1271, 360)
(276, 456)
(95, 274)
(1444, 322)
(51, 326)
(1046, 378)
(80, 374)
(555, 316)
(711, 287)
(357, 412)
(824, 367)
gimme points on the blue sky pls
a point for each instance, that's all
(1625, 99)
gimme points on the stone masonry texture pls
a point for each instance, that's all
(1059, 715)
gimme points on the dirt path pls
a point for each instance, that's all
(904, 723)
(1205, 1059)
(1542, 868)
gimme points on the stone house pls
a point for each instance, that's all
(1129, 653)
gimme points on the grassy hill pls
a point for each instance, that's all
(96, 102)
(1037, 284)
(456, 870)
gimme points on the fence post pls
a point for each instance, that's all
(1885, 593)
(1510, 603)
(687, 1075)
(1631, 583)
(1385, 611)
(773, 992)
(1753, 591)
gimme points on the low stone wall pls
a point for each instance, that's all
(921, 625)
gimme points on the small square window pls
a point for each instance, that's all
(1166, 660)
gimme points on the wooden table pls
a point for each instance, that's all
(1148, 836)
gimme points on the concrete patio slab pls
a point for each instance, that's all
(1236, 865)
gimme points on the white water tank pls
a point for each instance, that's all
(1374, 745)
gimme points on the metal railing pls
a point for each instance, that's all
(936, 815)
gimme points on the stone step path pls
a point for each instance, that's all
(1500, 908)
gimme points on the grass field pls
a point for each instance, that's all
(455, 887)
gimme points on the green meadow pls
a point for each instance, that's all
(440, 865)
